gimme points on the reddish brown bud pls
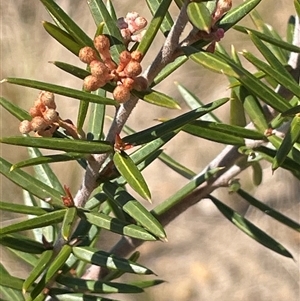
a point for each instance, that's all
(125, 57)
(38, 124)
(47, 98)
(137, 56)
(92, 83)
(34, 111)
(128, 82)
(133, 69)
(99, 69)
(50, 115)
(101, 43)
(25, 127)
(87, 54)
(121, 94)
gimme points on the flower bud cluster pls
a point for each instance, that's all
(130, 26)
(215, 34)
(45, 119)
(103, 69)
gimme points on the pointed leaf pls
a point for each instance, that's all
(82, 285)
(277, 75)
(200, 16)
(230, 68)
(40, 267)
(44, 173)
(71, 27)
(22, 243)
(68, 222)
(250, 229)
(167, 22)
(173, 124)
(71, 69)
(77, 94)
(269, 211)
(62, 37)
(36, 222)
(223, 133)
(266, 38)
(287, 144)
(135, 209)
(11, 282)
(30, 184)
(78, 297)
(157, 98)
(131, 174)
(147, 283)
(18, 208)
(118, 226)
(154, 26)
(14, 109)
(48, 159)
(194, 102)
(195, 182)
(237, 13)
(67, 145)
(109, 261)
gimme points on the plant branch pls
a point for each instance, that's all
(229, 158)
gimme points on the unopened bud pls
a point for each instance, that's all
(128, 82)
(87, 55)
(99, 69)
(136, 56)
(101, 43)
(50, 115)
(38, 123)
(223, 6)
(121, 94)
(93, 83)
(25, 127)
(47, 98)
(133, 69)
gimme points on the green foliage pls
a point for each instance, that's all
(104, 202)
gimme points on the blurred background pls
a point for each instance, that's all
(206, 257)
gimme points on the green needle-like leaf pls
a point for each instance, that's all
(7, 280)
(66, 145)
(74, 70)
(154, 26)
(269, 211)
(200, 16)
(173, 124)
(81, 95)
(266, 38)
(287, 144)
(131, 174)
(68, 222)
(22, 243)
(222, 133)
(133, 208)
(250, 229)
(36, 222)
(70, 26)
(278, 75)
(39, 268)
(108, 260)
(157, 98)
(44, 173)
(62, 37)
(118, 226)
(14, 109)
(48, 159)
(18, 208)
(82, 285)
(30, 184)
(167, 22)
